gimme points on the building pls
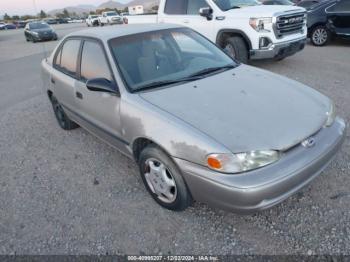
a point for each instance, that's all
(135, 10)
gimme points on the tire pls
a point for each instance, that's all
(169, 178)
(63, 120)
(236, 48)
(320, 35)
(27, 39)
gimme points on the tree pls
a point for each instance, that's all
(42, 14)
(15, 17)
(65, 13)
(26, 17)
(7, 17)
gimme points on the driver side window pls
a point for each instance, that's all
(193, 6)
(93, 62)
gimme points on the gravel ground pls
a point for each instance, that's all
(69, 193)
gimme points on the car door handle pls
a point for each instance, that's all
(53, 80)
(79, 95)
(186, 21)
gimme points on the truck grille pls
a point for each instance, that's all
(289, 24)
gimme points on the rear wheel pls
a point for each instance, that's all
(320, 35)
(62, 119)
(163, 179)
(236, 48)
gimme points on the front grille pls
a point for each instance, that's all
(289, 24)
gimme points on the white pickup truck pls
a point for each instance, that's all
(110, 18)
(245, 29)
(92, 20)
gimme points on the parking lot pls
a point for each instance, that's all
(69, 193)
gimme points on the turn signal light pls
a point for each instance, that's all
(214, 163)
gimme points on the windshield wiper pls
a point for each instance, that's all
(196, 76)
(212, 70)
(157, 84)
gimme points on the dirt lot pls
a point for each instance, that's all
(69, 193)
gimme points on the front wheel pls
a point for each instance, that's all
(320, 36)
(236, 48)
(163, 179)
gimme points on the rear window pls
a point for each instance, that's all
(67, 57)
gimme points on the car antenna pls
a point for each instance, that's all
(42, 43)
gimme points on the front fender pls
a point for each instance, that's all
(140, 119)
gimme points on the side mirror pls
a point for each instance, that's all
(101, 85)
(206, 12)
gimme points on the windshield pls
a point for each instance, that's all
(316, 5)
(158, 58)
(94, 16)
(38, 26)
(232, 4)
(112, 14)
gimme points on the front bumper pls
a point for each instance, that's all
(279, 50)
(265, 187)
(45, 37)
(116, 22)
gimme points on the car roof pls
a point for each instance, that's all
(109, 32)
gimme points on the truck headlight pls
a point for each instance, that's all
(262, 24)
(331, 115)
(241, 162)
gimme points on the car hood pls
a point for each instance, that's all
(263, 11)
(246, 109)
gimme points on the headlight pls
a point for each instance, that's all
(35, 33)
(331, 115)
(236, 163)
(262, 24)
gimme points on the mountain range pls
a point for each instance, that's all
(80, 9)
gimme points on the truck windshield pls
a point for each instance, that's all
(226, 5)
(167, 57)
(112, 14)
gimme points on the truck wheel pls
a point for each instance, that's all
(62, 119)
(163, 179)
(236, 48)
(320, 35)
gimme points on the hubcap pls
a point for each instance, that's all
(230, 50)
(160, 180)
(320, 36)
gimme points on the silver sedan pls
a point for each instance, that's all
(200, 125)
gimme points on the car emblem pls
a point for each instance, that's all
(310, 142)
